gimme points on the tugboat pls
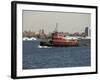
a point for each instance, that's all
(58, 40)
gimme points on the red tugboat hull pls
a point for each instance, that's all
(66, 44)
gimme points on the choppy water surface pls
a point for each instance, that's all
(35, 57)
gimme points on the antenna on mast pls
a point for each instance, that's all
(56, 29)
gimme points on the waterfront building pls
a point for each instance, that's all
(87, 31)
(42, 34)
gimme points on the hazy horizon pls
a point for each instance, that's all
(67, 21)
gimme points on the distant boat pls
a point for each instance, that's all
(25, 38)
(33, 38)
(29, 39)
(71, 37)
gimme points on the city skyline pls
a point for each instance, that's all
(67, 21)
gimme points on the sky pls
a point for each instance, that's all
(66, 21)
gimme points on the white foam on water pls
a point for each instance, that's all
(43, 46)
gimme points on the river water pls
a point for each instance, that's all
(35, 57)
